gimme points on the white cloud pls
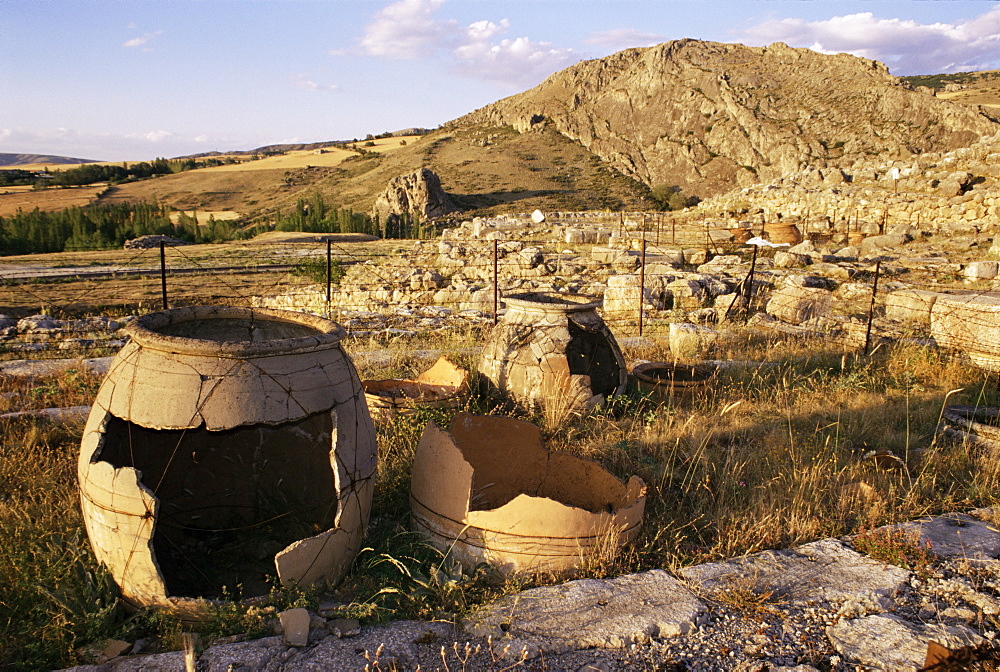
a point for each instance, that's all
(142, 40)
(519, 62)
(409, 29)
(201, 138)
(156, 136)
(624, 38)
(908, 47)
(303, 82)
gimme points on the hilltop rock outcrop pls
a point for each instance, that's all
(418, 192)
(708, 117)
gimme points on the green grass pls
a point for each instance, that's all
(769, 457)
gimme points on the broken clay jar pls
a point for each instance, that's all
(553, 349)
(783, 233)
(488, 491)
(670, 380)
(441, 386)
(224, 444)
(741, 234)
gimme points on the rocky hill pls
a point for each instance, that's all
(709, 117)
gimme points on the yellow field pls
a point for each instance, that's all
(983, 89)
(203, 215)
(46, 200)
(326, 157)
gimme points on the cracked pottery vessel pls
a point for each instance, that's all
(487, 490)
(226, 445)
(552, 349)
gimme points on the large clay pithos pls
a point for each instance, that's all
(553, 348)
(226, 444)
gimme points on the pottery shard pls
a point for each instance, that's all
(797, 304)
(418, 192)
(488, 491)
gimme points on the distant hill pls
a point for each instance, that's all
(14, 160)
(704, 116)
(306, 146)
(709, 117)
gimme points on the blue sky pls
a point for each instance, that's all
(137, 79)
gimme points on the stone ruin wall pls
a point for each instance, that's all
(935, 192)
(932, 230)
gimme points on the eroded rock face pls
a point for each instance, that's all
(709, 116)
(419, 192)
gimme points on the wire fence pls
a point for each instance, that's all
(652, 273)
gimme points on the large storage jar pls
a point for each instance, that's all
(226, 445)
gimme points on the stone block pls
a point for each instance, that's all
(969, 323)
(692, 341)
(910, 305)
(794, 304)
(981, 270)
(790, 259)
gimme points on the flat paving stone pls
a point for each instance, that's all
(402, 645)
(822, 571)
(31, 368)
(887, 642)
(956, 535)
(590, 613)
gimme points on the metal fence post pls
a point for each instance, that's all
(871, 310)
(329, 274)
(496, 280)
(163, 274)
(642, 280)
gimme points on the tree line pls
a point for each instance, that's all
(314, 215)
(108, 225)
(92, 173)
(103, 226)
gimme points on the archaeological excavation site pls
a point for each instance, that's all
(563, 384)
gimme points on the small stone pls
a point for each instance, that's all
(596, 666)
(295, 626)
(344, 627)
(959, 613)
(112, 649)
